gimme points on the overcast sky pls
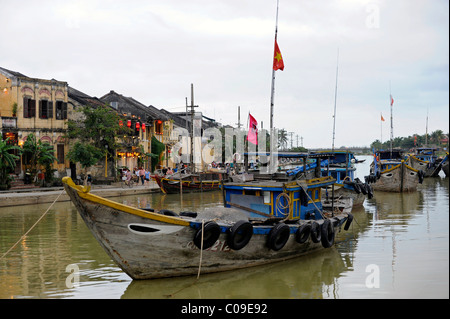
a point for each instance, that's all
(153, 51)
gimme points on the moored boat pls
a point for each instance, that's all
(425, 159)
(148, 244)
(390, 172)
(189, 183)
(341, 166)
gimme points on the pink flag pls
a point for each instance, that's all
(252, 135)
(392, 101)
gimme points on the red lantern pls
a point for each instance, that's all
(143, 127)
(120, 123)
(159, 121)
(137, 126)
(129, 123)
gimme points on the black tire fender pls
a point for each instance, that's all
(167, 212)
(348, 222)
(327, 236)
(302, 233)
(239, 235)
(278, 236)
(211, 233)
(316, 232)
(356, 187)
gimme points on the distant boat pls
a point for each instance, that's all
(391, 173)
(425, 159)
(189, 183)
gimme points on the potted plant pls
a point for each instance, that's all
(14, 109)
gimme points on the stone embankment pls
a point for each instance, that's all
(48, 195)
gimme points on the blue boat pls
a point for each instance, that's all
(292, 195)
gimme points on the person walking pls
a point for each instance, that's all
(142, 175)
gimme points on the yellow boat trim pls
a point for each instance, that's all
(419, 160)
(397, 166)
(83, 192)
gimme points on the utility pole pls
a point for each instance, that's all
(291, 138)
(239, 118)
(192, 106)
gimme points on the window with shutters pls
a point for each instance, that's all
(61, 110)
(45, 109)
(29, 107)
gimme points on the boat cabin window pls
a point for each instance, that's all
(251, 192)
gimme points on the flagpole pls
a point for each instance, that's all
(273, 78)
(272, 137)
(381, 125)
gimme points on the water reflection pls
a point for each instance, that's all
(405, 235)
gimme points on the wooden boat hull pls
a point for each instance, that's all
(424, 166)
(149, 245)
(445, 168)
(398, 178)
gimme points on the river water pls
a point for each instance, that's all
(397, 247)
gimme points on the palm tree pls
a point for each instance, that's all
(282, 138)
(7, 162)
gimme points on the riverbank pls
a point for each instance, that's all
(34, 196)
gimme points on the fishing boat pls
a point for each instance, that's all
(189, 183)
(341, 166)
(391, 173)
(424, 159)
(149, 244)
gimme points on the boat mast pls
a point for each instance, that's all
(335, 98)
(392, 122)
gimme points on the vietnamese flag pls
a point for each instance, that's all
(382, 118)
(277, 58)
(252, 135)
(392, 101)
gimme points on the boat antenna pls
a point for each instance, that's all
(335, 98)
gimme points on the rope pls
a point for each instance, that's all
(201, 250)
(199, 266)
(40, 218)
(306, 192)
(281, 207)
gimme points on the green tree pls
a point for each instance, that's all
(7, 162)
(95, 134)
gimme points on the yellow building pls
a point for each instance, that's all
(34, 106)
